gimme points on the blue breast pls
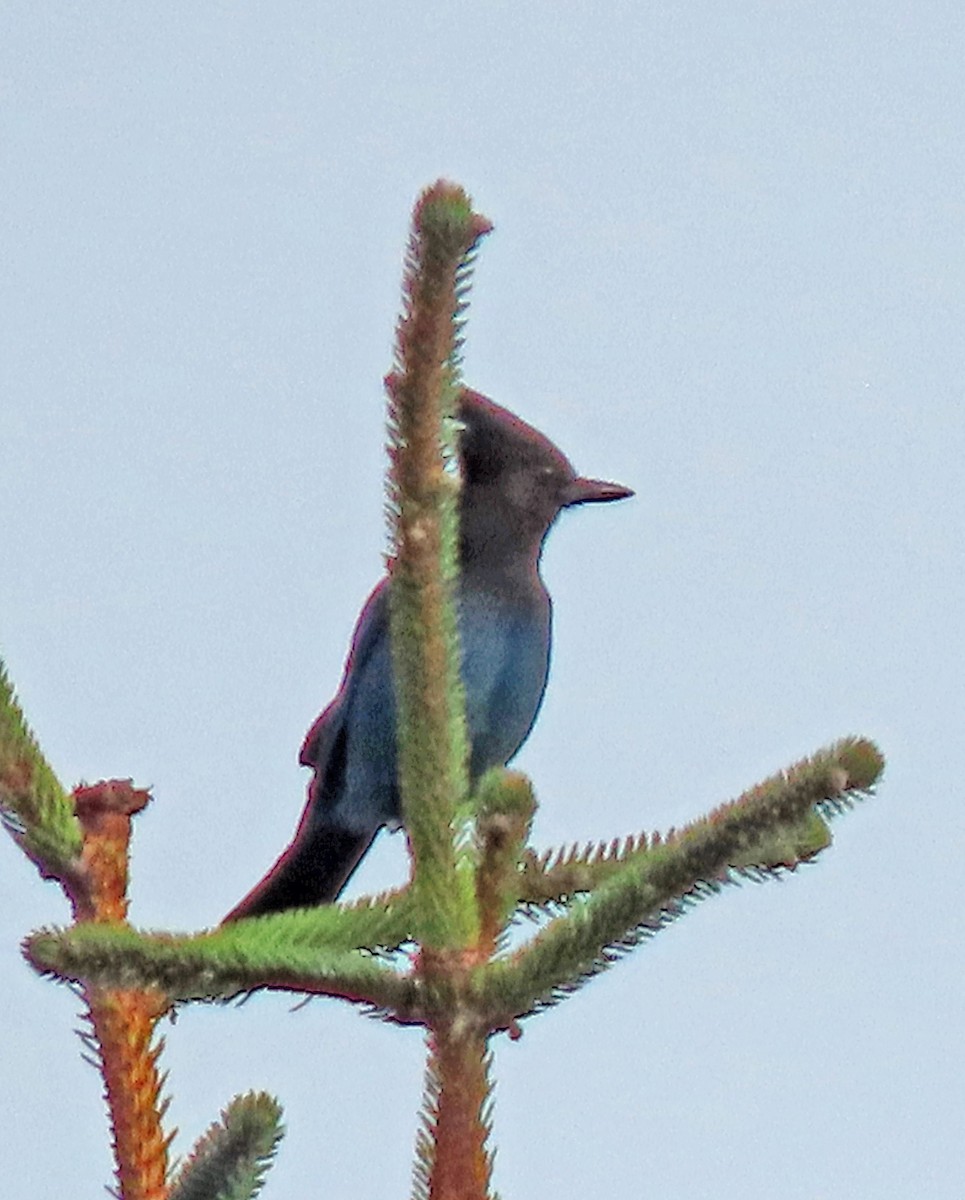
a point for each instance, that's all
(505, 659)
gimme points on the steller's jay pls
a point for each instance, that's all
(515, 483)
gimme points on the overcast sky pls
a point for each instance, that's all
(728, 271)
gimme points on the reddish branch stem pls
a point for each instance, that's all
(461, 1164)
(122, 1022)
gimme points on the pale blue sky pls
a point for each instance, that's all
(727, 271)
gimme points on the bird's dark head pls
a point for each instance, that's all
(515, 482)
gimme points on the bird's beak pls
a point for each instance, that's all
(593, 491)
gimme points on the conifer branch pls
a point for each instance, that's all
(433, 747)
(121, 1038)
(121, 1042)
(215, 966)
(383, 922)
(555, 876)
(453, 1159)
(230, 1161)
(773, 826)
(35, 808)
(505, 806)
(423, 492)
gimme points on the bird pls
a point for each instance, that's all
(515, 483)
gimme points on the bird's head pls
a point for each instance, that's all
(515, 481)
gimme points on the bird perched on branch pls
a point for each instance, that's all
(515, 483)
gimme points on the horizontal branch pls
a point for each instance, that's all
(221, 965)
(381, 922)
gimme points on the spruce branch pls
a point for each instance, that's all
(384, 922)
(554, 876)
(230, 1161)
(221, 965)
(97, 886)
(423, 493)
(121, 1022)
(433, 749)
(34, 806)
(505, 806)
(773, 826)
(121, 1041)
(453, 1158)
